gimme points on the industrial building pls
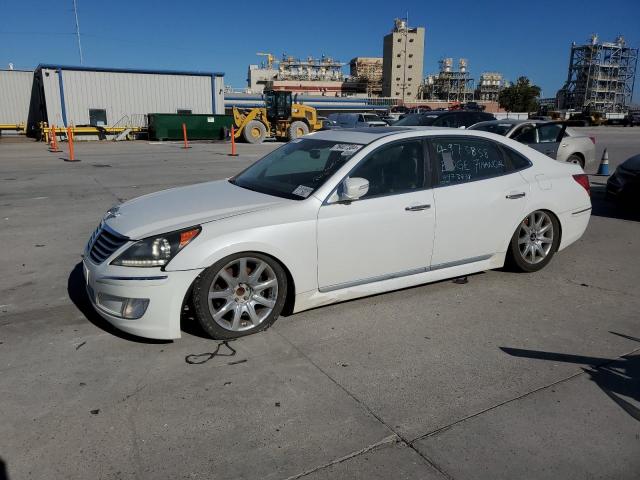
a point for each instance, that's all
(259, 76)
(449, 85)
(489, 86)
(403, 56)
(368, 72)
(314, 76)
(601, 76)
(68, 95)
(15, 96)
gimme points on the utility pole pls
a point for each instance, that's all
(404, 73)
(75, 12)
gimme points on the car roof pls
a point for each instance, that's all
(443, 112)
(357, 135)
(512, 121)
(368, 135)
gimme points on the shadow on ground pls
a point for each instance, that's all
(616, 378)
(77, 292)
(604, 207)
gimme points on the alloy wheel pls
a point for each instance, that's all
(243, 294)
(535, 237)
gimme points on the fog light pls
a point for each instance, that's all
(129, 308)
(135, 308)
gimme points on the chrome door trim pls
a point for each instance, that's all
(581, 211)
(379, 278)
(457, 263)
(404, 273)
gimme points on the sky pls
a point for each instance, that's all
(515, 38)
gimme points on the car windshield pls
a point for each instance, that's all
(497, 128)
(296, 169)
(416, 120)
(371, 118)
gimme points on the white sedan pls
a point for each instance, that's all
(553, 139)
(332, 216)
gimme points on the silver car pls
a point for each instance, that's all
(356, 120)
(551, 138)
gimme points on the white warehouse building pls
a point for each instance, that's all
(71, 95)
(15, 95)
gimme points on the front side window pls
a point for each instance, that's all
(296, 169)
(461, 160)
(549, 133)
(397, 168)
(525, 134)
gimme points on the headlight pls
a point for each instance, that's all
(158, 250)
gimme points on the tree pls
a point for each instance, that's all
(520, 97)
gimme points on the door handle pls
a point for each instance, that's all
(513, 196)
(417, 208)
(564, 144)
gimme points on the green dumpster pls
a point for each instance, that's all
(168, 126)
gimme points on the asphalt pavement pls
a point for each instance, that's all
(532, 376)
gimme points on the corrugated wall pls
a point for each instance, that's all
(121, 94)
(15, 94)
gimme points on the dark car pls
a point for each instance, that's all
(624, 184)
(474, 106)
(631, 119)
(444, 118)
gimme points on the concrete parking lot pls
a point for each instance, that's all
(507, 376)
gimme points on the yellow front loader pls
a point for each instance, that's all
(279, 118)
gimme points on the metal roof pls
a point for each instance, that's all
(128, 70)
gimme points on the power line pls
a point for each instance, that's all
(75, 12)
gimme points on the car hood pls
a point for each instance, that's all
(182, 207)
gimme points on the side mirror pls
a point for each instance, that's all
(354, 188)
(462, 127)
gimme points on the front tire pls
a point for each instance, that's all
(297, 129)
(534, 242)
(254, 132)
(239, 295)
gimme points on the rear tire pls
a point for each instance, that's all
(573, 158)
(297, 129)
(534, 242)
(241, 294)
(254, 132)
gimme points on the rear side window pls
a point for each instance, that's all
(518, 161)
(448, 120)
(460, 160)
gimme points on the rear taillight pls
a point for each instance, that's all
(593, 139)
(583, 180)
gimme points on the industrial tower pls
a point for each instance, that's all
(601, 76)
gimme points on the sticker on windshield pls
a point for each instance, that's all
(347, 149)
(303, 191)
(447, 159)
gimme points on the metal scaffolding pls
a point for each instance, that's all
(321, 69)
(601, 76)
(449, 85)
(490, 85)
(367, 71)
